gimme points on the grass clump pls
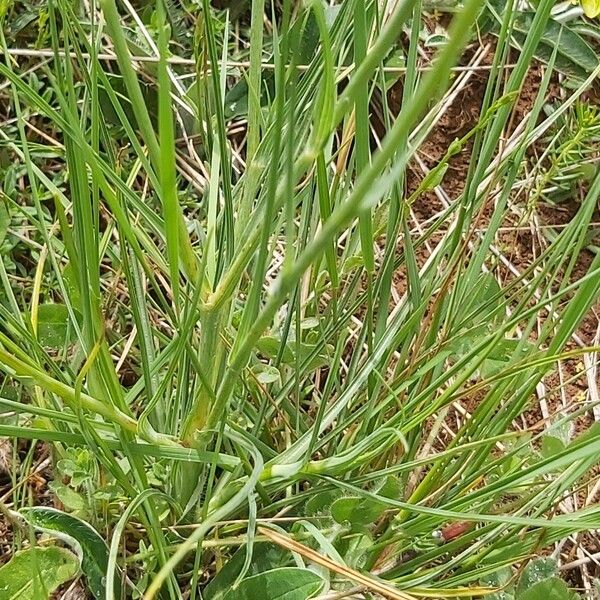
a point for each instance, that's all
(256, 374)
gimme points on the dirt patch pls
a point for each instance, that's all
(522, 239)
(6, 541)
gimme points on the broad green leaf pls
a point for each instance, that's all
(53, 325)
(575, 56)
(268, 346)
(84, 539)
(504, 349)
(351, 263)
(309, 323)
(391, 488)
(109, 113)
(288, 583)
(551, 445)
(266, 374)
(236, 99)
(503, 352)
(35, 573)
(549, 589)
(435, 40)
(265, 557)
(491, 367)
(320, 502)
(499, 579)
(68, 496)
(320, 359)
(356, 511)
(571, 46)
(537, 570)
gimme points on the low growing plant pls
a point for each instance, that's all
(215, 326)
